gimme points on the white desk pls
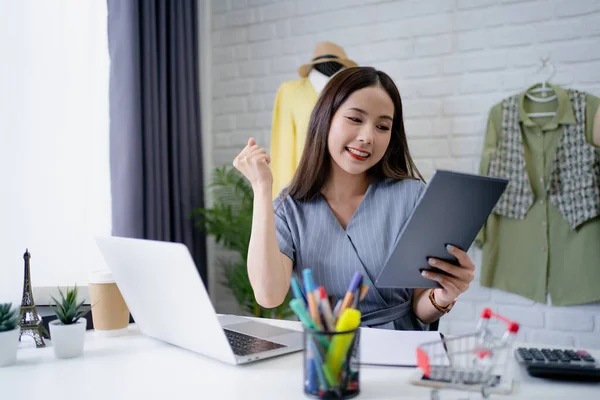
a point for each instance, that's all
(136, 367)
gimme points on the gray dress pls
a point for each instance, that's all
(312, 237)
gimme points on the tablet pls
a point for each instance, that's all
(452, 210)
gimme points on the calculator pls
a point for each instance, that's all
(559, 364)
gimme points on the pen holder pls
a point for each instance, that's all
(331, 364)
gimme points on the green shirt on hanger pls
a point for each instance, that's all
(540, 255)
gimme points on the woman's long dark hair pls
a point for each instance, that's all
(315, 164)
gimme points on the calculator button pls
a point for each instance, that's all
(585, 356)
(525, 354)
(560, 355)
(549, 355)
(572, 355)
(537, 355)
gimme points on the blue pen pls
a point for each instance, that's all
(309, 284)
(297, 290)
(298, 307)
(311, 373)
(318, 361)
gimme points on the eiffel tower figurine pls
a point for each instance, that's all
(31, 322)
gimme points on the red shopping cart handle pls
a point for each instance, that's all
(513, 327)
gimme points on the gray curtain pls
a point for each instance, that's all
(155, 140)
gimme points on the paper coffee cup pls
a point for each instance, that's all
(109, 311)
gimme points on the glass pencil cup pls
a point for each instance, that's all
(331, 364)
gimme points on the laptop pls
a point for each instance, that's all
(169, 302)
(452, 210)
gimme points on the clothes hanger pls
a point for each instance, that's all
(544, 90)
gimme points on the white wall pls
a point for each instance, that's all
(54, 165)
(452, 60)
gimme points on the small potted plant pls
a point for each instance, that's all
(9, 334)
(67, 332)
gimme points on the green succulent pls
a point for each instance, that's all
(9, 317)
(68, 310)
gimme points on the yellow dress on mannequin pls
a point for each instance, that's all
(294, 103)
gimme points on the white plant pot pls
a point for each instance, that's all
(9, 343)
(67, 340)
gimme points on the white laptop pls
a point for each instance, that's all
(168, 301)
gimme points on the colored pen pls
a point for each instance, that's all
(356, 280)
(363, 291)
(329, 378)
(317, 294)
(313, 309)
(309, 284)
(338, 349)
(350, 292)
(326, 309)
(298, 307)
(356, 293)
(336, 310)
(312, 371)
(297, 290)
(318, 361)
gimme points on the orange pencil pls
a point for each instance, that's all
(346, 302)
(363, 292)
(313, 309)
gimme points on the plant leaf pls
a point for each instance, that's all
(83, 313)
(229, 221)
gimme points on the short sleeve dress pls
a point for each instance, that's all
(312, 237)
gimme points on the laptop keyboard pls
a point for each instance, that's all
(243, 345)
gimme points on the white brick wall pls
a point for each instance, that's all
(452, 60)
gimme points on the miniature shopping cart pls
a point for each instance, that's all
(472, 362)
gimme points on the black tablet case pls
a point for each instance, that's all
(452, 209)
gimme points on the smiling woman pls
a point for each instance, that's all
(367, 119)
(354, 189)
(359, 132)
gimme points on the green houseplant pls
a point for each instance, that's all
(9, 334)
(67, 332)
(68, 311)
(229, 220)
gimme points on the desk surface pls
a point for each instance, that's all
(134, 366)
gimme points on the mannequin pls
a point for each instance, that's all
(293, 106)
(318, 80)
(320, 74)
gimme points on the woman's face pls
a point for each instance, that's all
(361, 129)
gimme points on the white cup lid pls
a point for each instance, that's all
(101, 276)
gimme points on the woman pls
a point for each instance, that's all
(354, 189)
